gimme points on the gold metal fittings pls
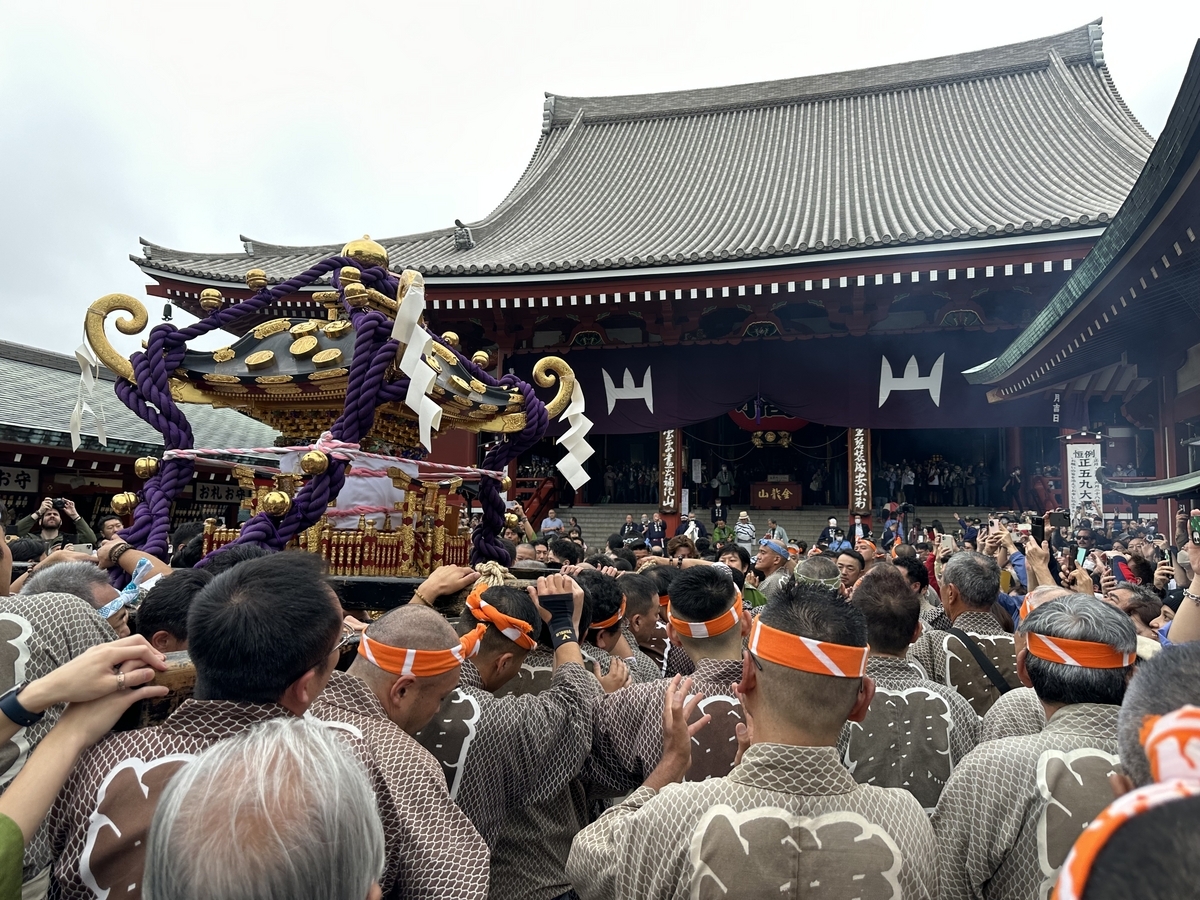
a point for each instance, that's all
(256, 279)
(367, 252)
(225, 354)
(93, 326)
(450, 338)
(260, 358)
(546, 371)
(328, 357)
(210, 299)
(480, 358)
(309, 327)
(304, 346)
(145, 467)
(276, 503)
(123, 504)
(314, 462)
(336, 329)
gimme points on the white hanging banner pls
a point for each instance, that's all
(1083, 488)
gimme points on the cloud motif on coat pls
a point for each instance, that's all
(758, 853)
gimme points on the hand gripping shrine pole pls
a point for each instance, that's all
(396, 382)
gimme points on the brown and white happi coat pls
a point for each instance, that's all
(627, 730)
(433, 850)
(529, 856)
(915, 732)
(1015, 806)
(948, 661)
(39, 633)
(501, 753)
(100, 822)
(1017, 713)
(786, 822)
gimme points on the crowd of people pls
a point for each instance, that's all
(716, 712)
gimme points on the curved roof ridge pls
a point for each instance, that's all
(1101, 125)
(535, 173)
(1077, 45)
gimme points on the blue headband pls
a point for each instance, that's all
(775, 546)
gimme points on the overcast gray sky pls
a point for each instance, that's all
(298, 122)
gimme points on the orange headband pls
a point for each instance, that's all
(611, 620)
(805, 654)
(421, 663)
(1086, 654)
(1026, 606)
(515, 630)
(1172, 745)
(712, 627)
(664, 599)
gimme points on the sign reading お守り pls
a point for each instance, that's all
(22, 481)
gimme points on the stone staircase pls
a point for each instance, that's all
(598, 522)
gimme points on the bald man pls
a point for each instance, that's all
(409, 661)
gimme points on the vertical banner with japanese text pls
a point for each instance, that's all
(1083, 488)
(668, 471)
(859, 445)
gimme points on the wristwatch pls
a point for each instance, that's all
(11, 707)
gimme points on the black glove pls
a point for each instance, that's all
(562, 627)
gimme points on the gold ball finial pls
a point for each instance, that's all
(481, 358)
(510, 520)
(356, 295)
(314, 462)
(145, 467)
(210, 299)
(123, 504)
(350, 275)
(451, 338)
(366, 251)
(256, 279)
(506, 484)
(276, 503)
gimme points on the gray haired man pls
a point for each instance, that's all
(1012, 809)
(284, 809)
(975, 656)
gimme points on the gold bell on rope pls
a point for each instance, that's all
(506, 484)
(276, 503)
(210, 299)
(314, 462)
(480, 358)
(145, 467)
(124, 503)
(510, 520)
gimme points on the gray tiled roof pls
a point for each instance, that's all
(40, 392)
(1026, 137)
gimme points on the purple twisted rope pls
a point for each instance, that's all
(164, 352)
(149, 398)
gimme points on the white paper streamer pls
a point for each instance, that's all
(574, 440)
(417, 341)
(89, 371)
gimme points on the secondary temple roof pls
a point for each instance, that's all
(1028, 137)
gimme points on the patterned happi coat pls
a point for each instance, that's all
(39, 633)
(1015, 806)
(948, 661)
(501, 753)
(915, 732)
(433, 850)
(788, 822)
(627, 730)
(529, 851)
(1019, 712)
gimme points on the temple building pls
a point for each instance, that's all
(790, 278)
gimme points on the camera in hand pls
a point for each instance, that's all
(59, 503)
